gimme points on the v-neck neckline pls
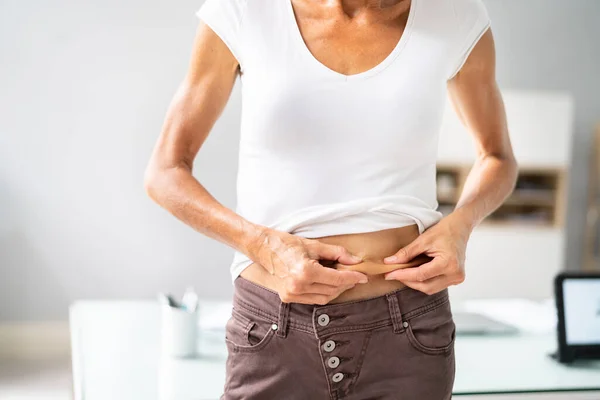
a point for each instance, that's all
(360, 75)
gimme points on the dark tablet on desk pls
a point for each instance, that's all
(578, 306)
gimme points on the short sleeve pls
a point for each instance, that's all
(225, 17)
(472, 21)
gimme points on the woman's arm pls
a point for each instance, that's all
(478, 103)
(196, 106)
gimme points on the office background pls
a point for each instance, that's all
(83, 91)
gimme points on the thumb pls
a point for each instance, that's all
(407, 253)
(336, 253)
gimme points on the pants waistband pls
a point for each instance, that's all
(390, 309)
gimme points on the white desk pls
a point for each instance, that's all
(116, 356)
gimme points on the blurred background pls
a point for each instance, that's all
(84, 87)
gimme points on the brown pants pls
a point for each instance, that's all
(396, 346)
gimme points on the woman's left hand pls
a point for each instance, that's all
(446, 243)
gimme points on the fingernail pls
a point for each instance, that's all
(388, 278)
(391, 259)
(363, 280)
(356, 258)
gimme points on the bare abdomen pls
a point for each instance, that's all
(372, 247)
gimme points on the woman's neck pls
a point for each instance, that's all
(355, 7)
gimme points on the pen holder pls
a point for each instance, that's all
(179, 330)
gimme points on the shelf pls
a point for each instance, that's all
(537, 201)
(446, 198)
(592, 231)
(532, 199)
(524, 224)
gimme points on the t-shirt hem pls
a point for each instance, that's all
(241, 262)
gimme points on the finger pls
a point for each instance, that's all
(296, 287)
(335, 253)
(314, 291)
(408, 252)
(369, 267)
(377, 268)
(333, 277)
(418, 274)
(431, 286)
(328, 290)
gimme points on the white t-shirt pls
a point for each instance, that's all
(322, 153)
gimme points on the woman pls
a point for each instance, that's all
(342, 262)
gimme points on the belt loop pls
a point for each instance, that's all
(284, 312)
(395, 312)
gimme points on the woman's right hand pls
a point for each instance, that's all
(295, 262)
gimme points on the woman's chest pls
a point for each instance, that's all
(373, 116)
(349, 46)
(292, 99)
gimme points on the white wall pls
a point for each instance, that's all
(83, 91)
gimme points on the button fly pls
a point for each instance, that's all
(337, 377)
(323, 319)
(333, 362)
(328, 346)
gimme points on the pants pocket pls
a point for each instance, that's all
(433, 331)
(246, 332)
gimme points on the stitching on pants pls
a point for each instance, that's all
(284, 309)
(355, 328)
(257, 311)
(301, 328)
(256, 285)
(426, 308)
(329, 390)
(395, 313)
(329, 306)
(361, 358)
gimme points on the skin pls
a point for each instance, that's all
(296, 264)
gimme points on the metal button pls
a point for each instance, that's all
(328, 346)
(323, 319)
(333, 362)
(405, 324)
(274, 327)
(337, 377)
